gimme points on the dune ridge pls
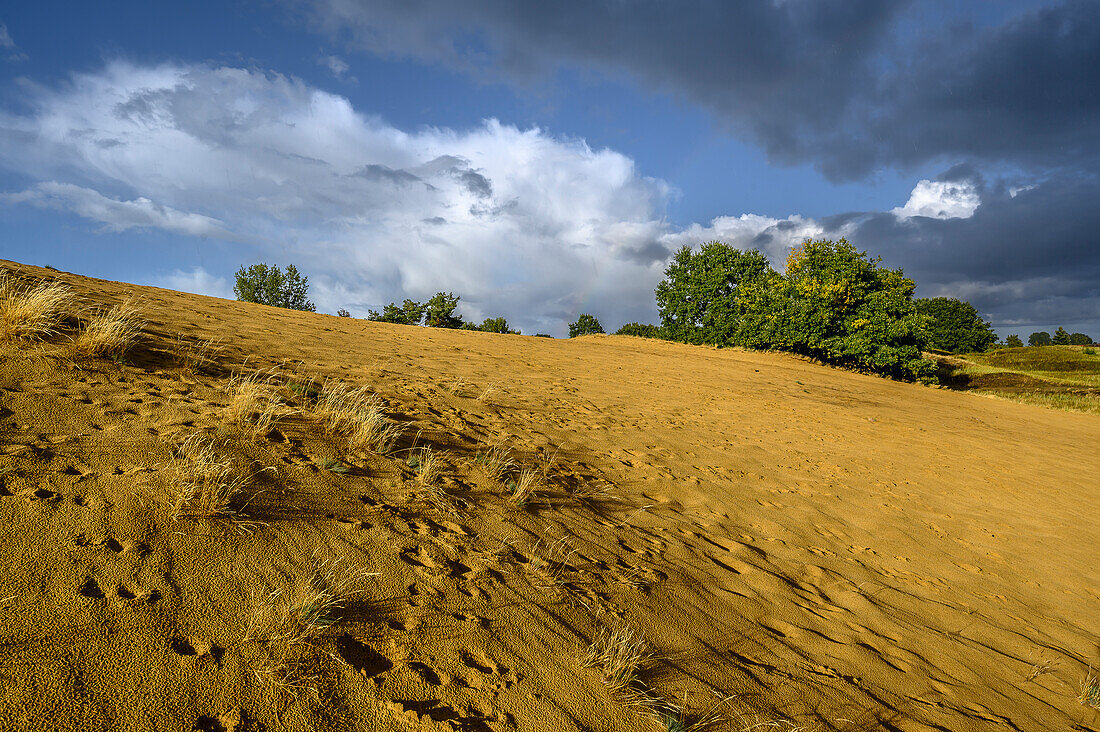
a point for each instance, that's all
(800, 547)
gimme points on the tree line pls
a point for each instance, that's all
(832, 302)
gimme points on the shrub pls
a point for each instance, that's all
(272, 286)
(585, 325)
(954, 325)
(439, 311)
(343, 313)
(1039, 338)
(409, 313)
(836, 304)
(641, 330)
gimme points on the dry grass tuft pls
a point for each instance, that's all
(357, 414)
(428, 466)
(109, 332)
(33, 312)
(194, 356)
(255, 402)
(208, 485)
(620, 653)
(287, 624)
(523, 488)
(1090, 690)
(487, 392)
(496, 459)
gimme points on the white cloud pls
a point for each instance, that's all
(336, 65)
(774, 237)
(5, 37)
(118, 215)
(519, 222)
(941, 200)
(198, 281)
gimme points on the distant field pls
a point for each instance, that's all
(1061, 377)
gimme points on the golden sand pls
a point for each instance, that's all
(792, 546)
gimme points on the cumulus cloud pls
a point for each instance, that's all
(940, 200)
(519, 222)
(850, 85)
(116, 215)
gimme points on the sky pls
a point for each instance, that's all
(546, 159)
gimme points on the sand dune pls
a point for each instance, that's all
(801, 547)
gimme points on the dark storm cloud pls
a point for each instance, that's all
(1028, 258)
(845, 84)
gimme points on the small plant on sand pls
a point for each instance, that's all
(34, 312)
(109, 332)
(549, 562)
(254, 401)
(496, 459)
(428, 466)
(357, 414)
(194, 356)
(334, 466)
(523, 487)
(208, 485)
(487, 392)
(1090, 690)
(286, 624)
(620, 653)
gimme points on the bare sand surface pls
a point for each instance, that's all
(804, 547)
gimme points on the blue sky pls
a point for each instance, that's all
(544, 159)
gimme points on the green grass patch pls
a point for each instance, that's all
(1059, 377)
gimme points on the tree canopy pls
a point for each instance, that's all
(269, 285)
(439, 311)
(1039, 338)
(1013, 341)
(697, 300)
(954, 325)
(409, 313)
(585, 324)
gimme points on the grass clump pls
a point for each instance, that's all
(496, 459)
(620, 653)
(357, 414)
(109, 332)
(208, 485)
(1090, 690)
(32, 313)
(334, 466)
(288, 623)
(255, 402)
(524, 486)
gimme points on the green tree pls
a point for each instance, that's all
(1080, 339)
(272, 286)
(1013, 341)
(439, 311)
(642, 330)
(495, 325)
(954, 325)
(1061, 337)
(1039, 338)
(409, 313)
(585, 325)
(697, 300)
(837, 304)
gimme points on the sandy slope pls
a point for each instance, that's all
(827, 549)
